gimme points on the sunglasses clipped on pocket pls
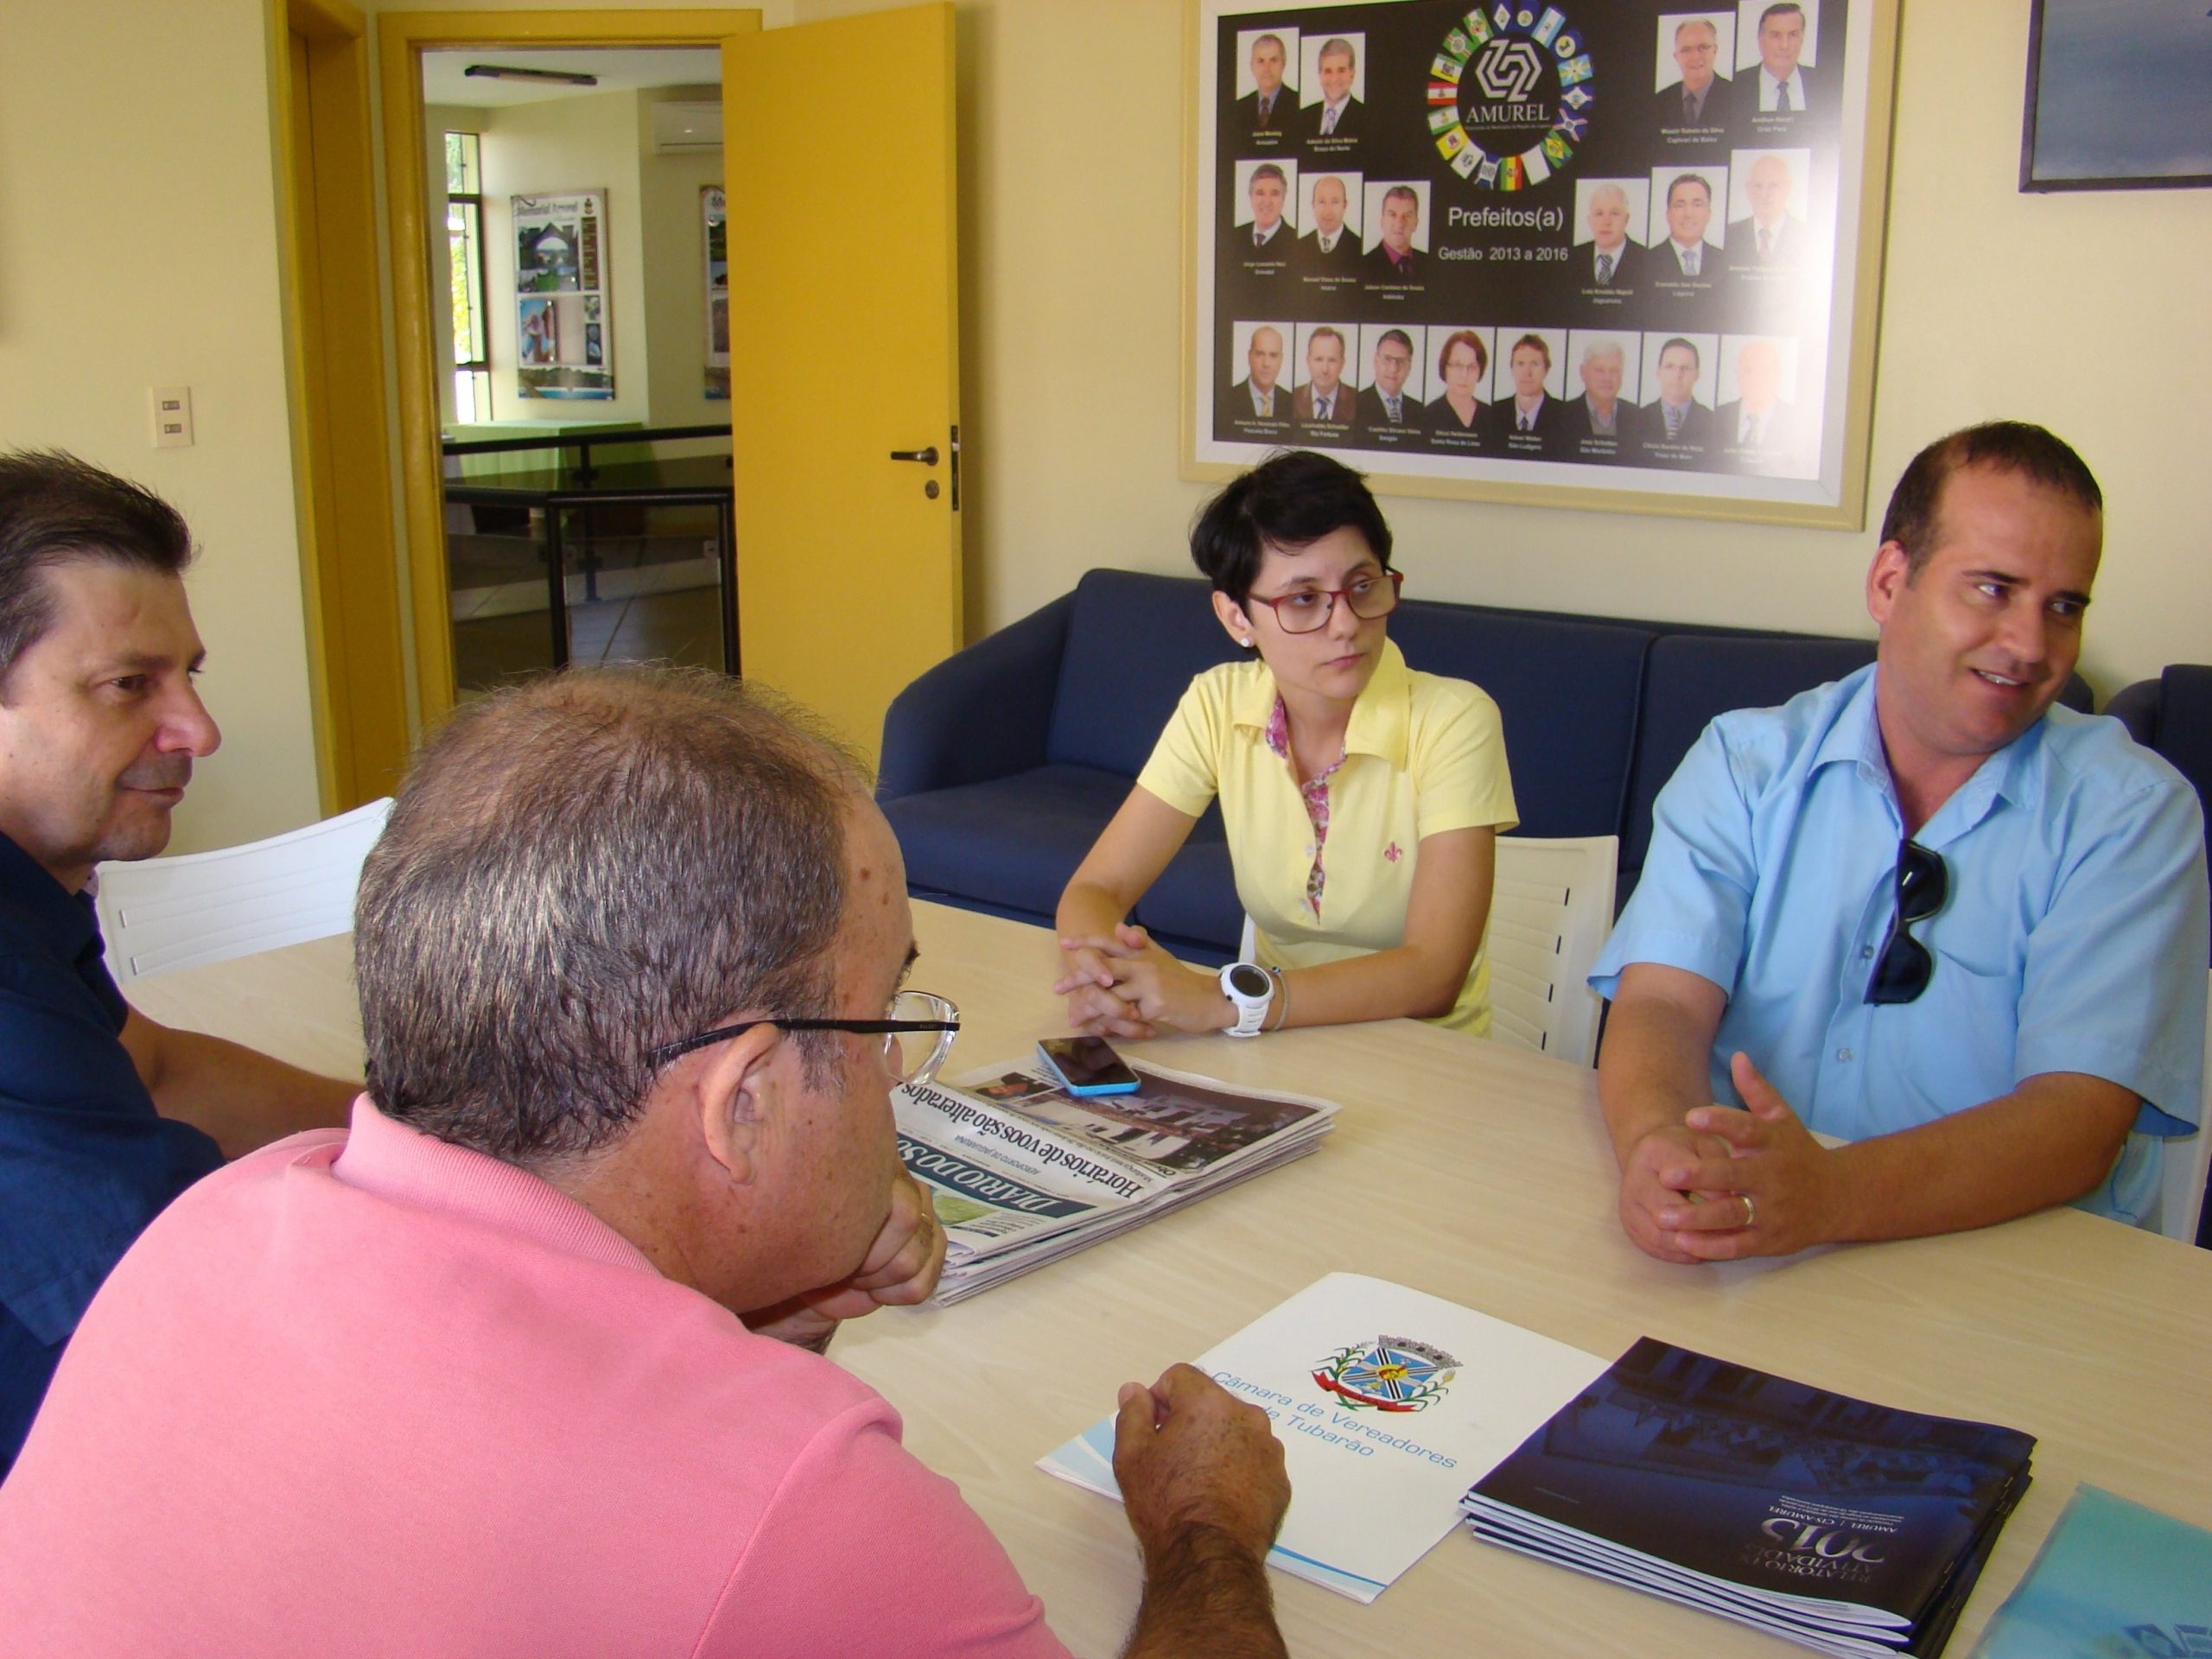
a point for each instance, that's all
(1905, 966)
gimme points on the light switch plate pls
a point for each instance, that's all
(172, 408)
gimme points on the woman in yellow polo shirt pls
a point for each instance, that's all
(1362, 798)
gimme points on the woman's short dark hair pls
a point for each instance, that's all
(1289, 501)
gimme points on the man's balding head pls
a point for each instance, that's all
(582, 868)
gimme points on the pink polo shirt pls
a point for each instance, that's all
(374, 1394)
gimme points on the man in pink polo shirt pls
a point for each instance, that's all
(530, 1361)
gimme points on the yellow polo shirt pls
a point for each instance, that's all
(1422, 755)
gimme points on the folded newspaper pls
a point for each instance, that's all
(1021, 1173)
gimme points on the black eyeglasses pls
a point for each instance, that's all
(1906, 967)
(1309, 608)
(912, 1013)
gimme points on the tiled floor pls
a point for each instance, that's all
(658, 599)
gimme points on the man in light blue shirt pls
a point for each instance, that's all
(1920, 909)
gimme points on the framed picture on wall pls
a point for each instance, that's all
(561, 296)
(2119, 97)
(1593, 253)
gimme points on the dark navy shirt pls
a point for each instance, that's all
(85, 1162)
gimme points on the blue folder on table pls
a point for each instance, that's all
(2113, 1578)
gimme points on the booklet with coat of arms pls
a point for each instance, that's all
(1021, 1173)
(2113, 1577)
(1849, 1527)
(1388, 1401)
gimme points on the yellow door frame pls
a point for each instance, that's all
(335, 370)
(402, 38)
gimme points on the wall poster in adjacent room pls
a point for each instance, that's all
(714, 216)
(1609, 253)
(562, 348)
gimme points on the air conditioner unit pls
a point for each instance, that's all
(682, 126)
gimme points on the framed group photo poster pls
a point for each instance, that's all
(1622, 254)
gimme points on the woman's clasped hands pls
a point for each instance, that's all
(1125, 985)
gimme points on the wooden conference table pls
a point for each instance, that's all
(1478, 1172)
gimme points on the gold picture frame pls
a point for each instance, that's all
(1496, 129)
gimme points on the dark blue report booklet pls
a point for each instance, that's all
(1851, 1527)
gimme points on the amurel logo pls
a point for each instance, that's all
(1509, 93)
(1508, 70)
(1388, 1374)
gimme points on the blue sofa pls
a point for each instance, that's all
(1002, 764)
(2173, 715)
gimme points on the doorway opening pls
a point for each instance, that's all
(585, 291)
(556, 209)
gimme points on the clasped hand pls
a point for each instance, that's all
(1124, 985)
(1726, 1184)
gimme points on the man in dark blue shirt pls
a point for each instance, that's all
(105, 1115)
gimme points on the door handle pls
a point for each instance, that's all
(927, 457)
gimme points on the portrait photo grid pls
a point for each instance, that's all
(1600, 237)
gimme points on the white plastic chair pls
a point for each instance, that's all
(159, 914)
(2186, 1162)
(1551, 906)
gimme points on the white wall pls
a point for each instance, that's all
(560, 147)
(2089, 315)
(139, 248)
(674, 237)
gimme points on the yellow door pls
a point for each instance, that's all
(838, 162)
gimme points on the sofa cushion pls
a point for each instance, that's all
(1135, 642)
(1010, 845)
(2185, 724)
(1192, 908)
(2172, 716)
(1690, 678)
(1011, 841)
(982, 713)
(1565, 691)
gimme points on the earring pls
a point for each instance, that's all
(1246, 641)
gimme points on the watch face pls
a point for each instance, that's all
(1249, 982)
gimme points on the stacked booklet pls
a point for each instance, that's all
(1849, 1527)
(1387, 1403)
(1021, 1173)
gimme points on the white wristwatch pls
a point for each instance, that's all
(1251, 989)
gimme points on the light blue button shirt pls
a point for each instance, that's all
(2073, 938)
